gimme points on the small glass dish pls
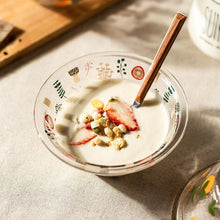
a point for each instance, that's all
(101, 66)
(200, 198)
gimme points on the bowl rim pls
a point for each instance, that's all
(116, 170)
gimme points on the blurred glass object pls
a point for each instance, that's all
(204, 26)
(200, 198)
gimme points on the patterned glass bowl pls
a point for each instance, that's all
(200, 198)
(101, 66)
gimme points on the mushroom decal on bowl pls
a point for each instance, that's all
(74, 72)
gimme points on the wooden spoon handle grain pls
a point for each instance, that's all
(165, 46)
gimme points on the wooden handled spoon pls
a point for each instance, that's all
(165, 46)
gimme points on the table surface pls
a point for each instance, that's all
(36, 185)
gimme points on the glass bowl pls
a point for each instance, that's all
(104, 66)
(200, 198)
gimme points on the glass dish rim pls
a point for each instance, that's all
(176, 201)
(114, 170)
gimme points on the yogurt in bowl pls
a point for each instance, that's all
(150, 130)
(138, 138)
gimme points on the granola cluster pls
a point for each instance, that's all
(99, 123)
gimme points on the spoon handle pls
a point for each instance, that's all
(165, 46)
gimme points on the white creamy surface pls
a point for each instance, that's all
(151, 116)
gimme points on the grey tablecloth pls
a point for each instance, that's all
(36, 185)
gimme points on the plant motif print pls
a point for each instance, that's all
(168, 93)
(177, 110)
(202, 190)
(121, 66)
(58, 86)
(74, 73)
(58, 107)
(212, 208)
(88, 66)
(104, 71)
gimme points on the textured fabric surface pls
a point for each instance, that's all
(36, 185)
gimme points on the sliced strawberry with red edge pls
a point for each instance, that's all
(82, 136)
(100, 110)
(121, 113)
(88, 126)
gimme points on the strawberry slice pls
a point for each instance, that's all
(100, 110)
(82, 136)
(88, 126)
(121, 113)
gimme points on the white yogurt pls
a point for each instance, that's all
(152, 119)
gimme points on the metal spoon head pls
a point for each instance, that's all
(136, 104)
